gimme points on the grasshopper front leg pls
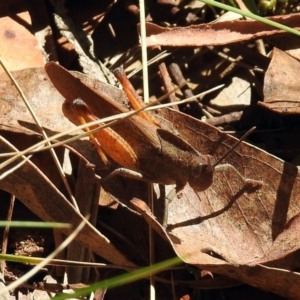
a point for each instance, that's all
(249, 186)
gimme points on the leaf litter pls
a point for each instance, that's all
(215, 34)
(243, 234)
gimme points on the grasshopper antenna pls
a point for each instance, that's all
(236, 144)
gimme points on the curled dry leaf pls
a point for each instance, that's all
(214, 34)
(281, 84)
(29, 183)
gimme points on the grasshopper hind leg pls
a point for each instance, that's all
(127, 173)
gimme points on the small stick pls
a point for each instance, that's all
(164, 74)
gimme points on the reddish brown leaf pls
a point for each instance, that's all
(221, 33)
(223, 228)
(281, 84)
(17, 40)
(29, 183)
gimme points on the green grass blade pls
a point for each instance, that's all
(27, 224)
(251, 16)
(123, 279)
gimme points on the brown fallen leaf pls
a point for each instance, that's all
(281, 84)
(221, 33)
(232, 232)
(38, 193)
(47, 102)
(29, 183)
(14, 34)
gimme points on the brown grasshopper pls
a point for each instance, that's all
(142, 148)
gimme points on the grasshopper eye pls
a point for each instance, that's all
(201, 166)
(196, 168)
(201, 172)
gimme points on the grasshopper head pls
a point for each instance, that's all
(201, 172)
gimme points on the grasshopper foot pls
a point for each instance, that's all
(252, 185)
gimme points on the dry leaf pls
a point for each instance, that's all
(29, 183)
(281, 86)
(35, 190)
(231, 232)
(14, 34)
(221, 33)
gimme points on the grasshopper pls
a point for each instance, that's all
(137, 144)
